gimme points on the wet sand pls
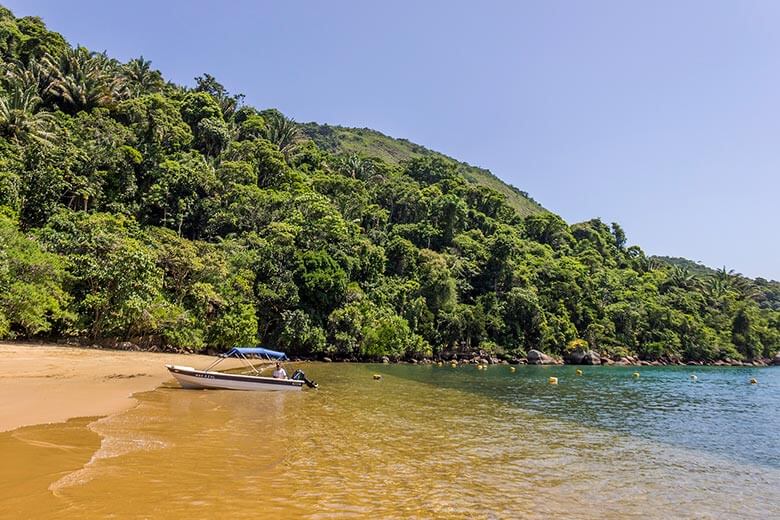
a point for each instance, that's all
(46, 383)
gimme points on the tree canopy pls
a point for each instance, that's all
(130, 206)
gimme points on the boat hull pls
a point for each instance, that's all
(188, 377)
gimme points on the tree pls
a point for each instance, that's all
(84, 80)
(20, 117)
(32, 297)
(282, 132)
(140, 78)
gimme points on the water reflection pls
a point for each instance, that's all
(424, 442)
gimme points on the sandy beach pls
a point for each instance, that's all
(50, 383)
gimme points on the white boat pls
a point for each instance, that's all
(189, 377)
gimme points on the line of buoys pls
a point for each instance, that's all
(636, 374)
(377, 377)
(754, 381)
(553, 380)
(578, 372)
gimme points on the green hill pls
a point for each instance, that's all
(132, 208)
(371, 143)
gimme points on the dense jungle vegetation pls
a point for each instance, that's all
(130, 206)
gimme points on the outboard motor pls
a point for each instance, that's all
(298, 375)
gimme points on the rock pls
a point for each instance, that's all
(326, 359)
(776, 360)
(582, 357)
(536, 357)
(504, 362)
(575, 357)
(126, 345)
(644, 363)
(413, 361)
(385, 360)
(591, 358)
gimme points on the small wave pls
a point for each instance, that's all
(112, 445)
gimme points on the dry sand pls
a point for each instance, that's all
(47, 383)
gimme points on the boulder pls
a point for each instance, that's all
(536, 357)
(574, 357)
(385, 360)
(582, 357)
(327, 359)
(776, 359)
(591, 358)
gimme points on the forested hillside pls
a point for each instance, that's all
(365, 142)
(130, 206)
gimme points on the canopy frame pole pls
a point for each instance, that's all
(247, 363)
(215, 363)
(240, 355)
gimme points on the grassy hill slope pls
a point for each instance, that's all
(370, 143)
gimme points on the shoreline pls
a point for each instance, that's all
(45, 383)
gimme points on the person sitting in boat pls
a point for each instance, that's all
(280, 372)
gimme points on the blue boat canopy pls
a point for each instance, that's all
(256, 351)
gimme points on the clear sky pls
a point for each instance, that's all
(661, 115)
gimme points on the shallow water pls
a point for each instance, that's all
(424, 442)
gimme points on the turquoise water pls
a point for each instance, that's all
(422, 442)
(720, 413)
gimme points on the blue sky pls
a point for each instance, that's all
(663, 116)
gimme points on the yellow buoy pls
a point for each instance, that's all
(454, 365)
(512, 369)
(636, 374)
(377, 377)
(479, 367)
(578, 372)
(553, 380)
(754, 381)
(439, 364)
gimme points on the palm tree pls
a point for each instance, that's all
(354, 166)
(20, 119)
(140, 77)
(84, 80)
(738, 283)
(283, 132)
(680, 276)
(716, 287)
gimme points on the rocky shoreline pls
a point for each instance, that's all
(533, 357)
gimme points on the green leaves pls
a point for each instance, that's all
(150, 209)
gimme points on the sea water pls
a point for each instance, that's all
(421, 442)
